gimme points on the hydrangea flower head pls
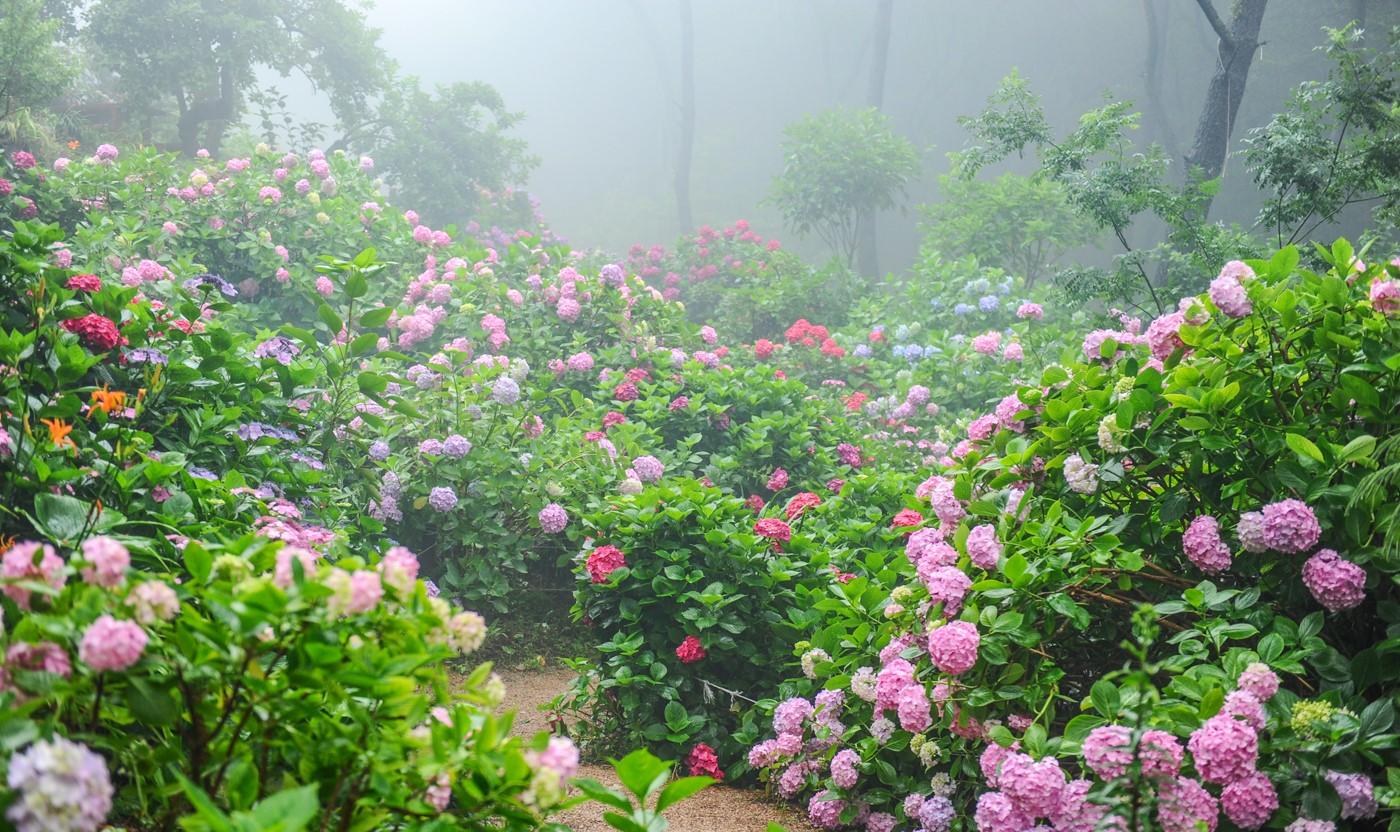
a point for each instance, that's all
(1290, 526)
(60, 786)
(1203, 545)
(109, 644)
(953, 647)
(1336, 583)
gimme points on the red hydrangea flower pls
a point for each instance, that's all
(906, 518)
(603, 561)
(702, 761)
(755, 503)
(801, 503)
(856, 401)
(763, 348)
(833, 349)
(84, 283)
(96, 332)
(773, 529)
(690, 651)
(625, 392)
(613, 418)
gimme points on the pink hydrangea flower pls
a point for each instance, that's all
(1183, 804)
(946, 585)
(1204, 547)
(824, 809)
(1250, 532)
(1108, 751)
(1336, 583)
(1229, 296)
(996, 813)
(18, 563)
(1385, 296)
(109, 560)
(988, 343)
(1243, 705)
(1290, 526)
(983, 547)
(913, 708)
(1030, 311)
(1224, 749)
(1162, 335)
(1075, 813)
(1259, 680)
(1160, 754)
(1032, 786)
(953, 647)
(109, 644)
(1250, 801)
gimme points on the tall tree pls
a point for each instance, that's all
(200, 58)
(1161, 121)
(686, 151)
(875, 97)
(1238, 41)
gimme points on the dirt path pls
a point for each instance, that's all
(716, 809)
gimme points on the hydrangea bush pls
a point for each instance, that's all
(1219, 475)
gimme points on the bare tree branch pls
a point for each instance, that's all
(1208, 9)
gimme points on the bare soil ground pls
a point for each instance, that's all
(719, 808)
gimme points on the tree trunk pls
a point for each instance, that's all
(1152, 64)
(868, 246)
(210, 110)
(1236, 49)
(687, 144)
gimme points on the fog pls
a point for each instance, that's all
(599, 84)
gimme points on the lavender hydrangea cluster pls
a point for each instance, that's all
(60, 786)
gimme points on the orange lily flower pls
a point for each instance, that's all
(58, 432)
(108, 401)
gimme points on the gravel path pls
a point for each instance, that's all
(716, 809)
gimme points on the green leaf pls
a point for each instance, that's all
(676, 717)
(329, 318)
(150, 704)
(679, 790)
(1303, 446)
(1104, 695)
(602, 793)
(1359, 448)
(371, 383)
(290, 810)
(641, 772)
(1015, 569)
(376, 317)
(205, 810)
(365, 258)
(356, 286)
(198, 561)
(364, 344)
(60, 517)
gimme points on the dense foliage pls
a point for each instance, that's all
(954, 551)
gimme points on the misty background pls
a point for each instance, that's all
(599, 85)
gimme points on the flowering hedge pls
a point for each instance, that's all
(1096, 508)
(1157, 559)
(203, 624)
